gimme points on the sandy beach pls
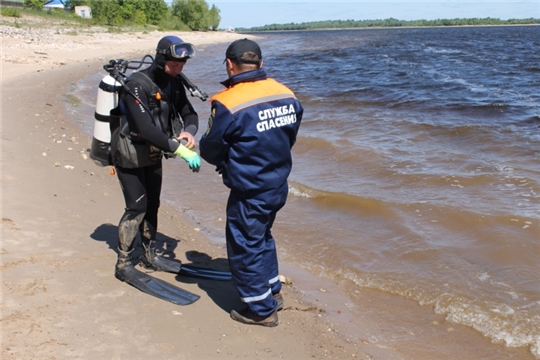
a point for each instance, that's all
(60, 299)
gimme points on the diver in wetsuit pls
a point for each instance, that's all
(153, 123)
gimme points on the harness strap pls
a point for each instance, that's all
(156, 95)
(155, 92)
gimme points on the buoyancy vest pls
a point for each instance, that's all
(132, 150)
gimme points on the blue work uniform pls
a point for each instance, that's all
(251, 130)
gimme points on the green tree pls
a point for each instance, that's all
(170, 22)
(193, 13)
(34, 4)
(139, 17)
(72, 3)
(116, 12)
(107, 12)
(214, 18)
(129, 7)
(155, 10)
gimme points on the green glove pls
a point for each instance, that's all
(191, 157)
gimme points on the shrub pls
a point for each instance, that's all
(56, 12)
(170, 22)
(33, 4)
(11, 12)
(139, 18)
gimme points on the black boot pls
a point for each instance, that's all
(127, 230)
(124, 261)
(148, 256)
(151, 261)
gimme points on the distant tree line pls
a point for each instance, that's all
(391, 22)
(180, 15)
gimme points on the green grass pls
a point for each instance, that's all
(11, 12)
(59, 18)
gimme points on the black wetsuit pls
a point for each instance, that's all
(142, 186)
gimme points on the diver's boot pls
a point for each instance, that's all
(148, 235)
(148, 257)
(151, 261)
(127, 230)
(124, 261)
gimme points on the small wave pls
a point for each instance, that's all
(478, 106)
(512, 326)
(442, 51)
(502, 323)
(299, 192)
(533, 120)
(340, 201)
(407, 103)
(308, 143)
(497, 105)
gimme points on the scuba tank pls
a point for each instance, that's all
(107, 100)
(106, 114)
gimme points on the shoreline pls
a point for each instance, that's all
(60, 298)
(381, 28)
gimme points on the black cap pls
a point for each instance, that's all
(238, 48)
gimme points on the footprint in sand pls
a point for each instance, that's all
(9, 224)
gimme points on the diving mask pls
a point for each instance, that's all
(178, 52)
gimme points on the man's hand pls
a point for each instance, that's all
(190, 140)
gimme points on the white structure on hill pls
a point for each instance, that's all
(83, 11)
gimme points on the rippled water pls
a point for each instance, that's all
(416, 174)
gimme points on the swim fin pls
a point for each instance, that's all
(154, 286)
(176, 267)
(204, 273)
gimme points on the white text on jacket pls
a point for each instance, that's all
(276, 117)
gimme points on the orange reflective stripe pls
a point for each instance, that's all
(251, 93)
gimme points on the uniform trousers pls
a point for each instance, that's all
(251, 249)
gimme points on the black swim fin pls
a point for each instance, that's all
(176, 267)
(205, 273)
(154, 286)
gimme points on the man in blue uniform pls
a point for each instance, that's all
(251, 130)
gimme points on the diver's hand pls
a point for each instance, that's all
(190, 156)
(188, 137)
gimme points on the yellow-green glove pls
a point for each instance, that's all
(190, 156)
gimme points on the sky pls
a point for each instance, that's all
(247, 14)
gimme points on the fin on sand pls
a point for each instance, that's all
(176, 267)
(155, 287)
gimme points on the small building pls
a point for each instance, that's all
(12, 3)
(84, 11)
(54, 4)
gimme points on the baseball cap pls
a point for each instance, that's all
(238, 48)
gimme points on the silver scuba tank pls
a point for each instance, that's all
(107, 100)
